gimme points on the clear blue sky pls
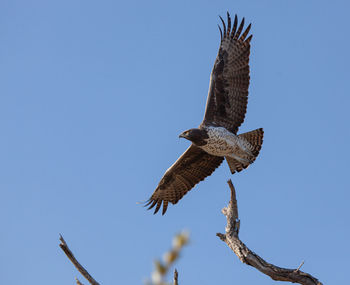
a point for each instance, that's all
(93, 95)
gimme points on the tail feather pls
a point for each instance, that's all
(235, 165)
(255, 139)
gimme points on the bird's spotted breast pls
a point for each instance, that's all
(221, 142)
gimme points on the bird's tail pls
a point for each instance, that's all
(255, 139)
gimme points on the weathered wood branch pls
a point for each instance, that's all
(79, 267)
(231, 238)
(179, 242)
(248, 257)
(176, 275)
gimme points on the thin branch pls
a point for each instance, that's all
(176, 275)
(78, 282)
(79, 267)
(301, 264)
(247, 256)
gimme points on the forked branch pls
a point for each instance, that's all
(231, 238)
(248, 257)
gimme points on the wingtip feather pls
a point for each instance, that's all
(149, 201)
(249, 39)
(223, 25)
(165, 206)
(234, 28)
(239, 30)
(152, 205)
(159, 203)
(242, 38)
(228, 23)
(220, 32)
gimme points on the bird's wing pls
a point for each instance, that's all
(192, 167)
(229, 79)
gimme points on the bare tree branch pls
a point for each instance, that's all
(176, 275)
(78, 282)
(231, 239)
(247, 256)
(81, 269)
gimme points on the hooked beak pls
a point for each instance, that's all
(182, 136)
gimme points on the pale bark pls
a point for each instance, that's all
(248, 257)
(232, 240)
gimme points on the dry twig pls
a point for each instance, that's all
(79, 267)
(247, 256)
(78, 282)
(176, 275)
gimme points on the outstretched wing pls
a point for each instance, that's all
(229, 79)
(192, 167)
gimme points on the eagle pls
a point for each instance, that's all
(216, 137)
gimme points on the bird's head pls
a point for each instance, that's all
(197, 136)
(185, 134)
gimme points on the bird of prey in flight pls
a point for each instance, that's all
(216, 138)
